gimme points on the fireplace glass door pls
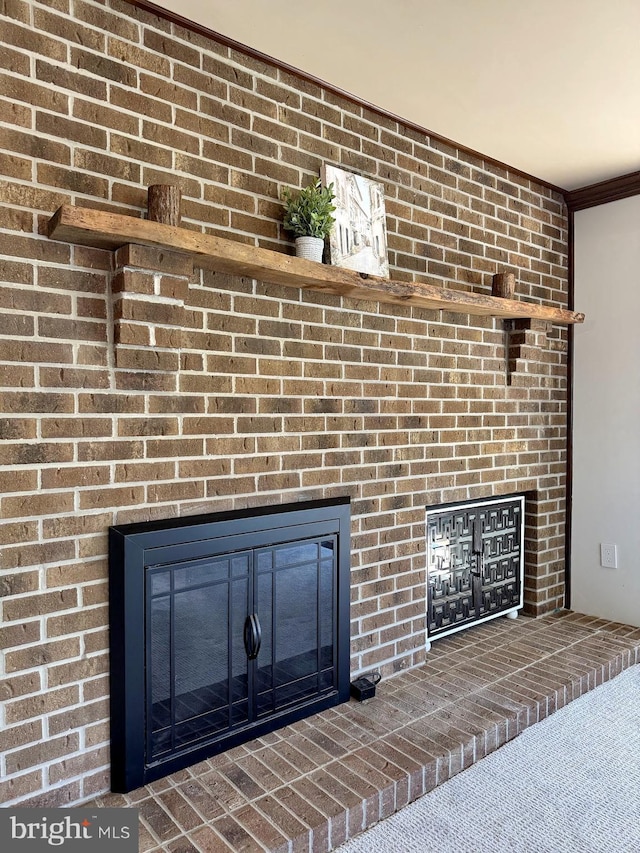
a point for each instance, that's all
(205, 621)
(223, 628)
(295, 593)
(196, 666)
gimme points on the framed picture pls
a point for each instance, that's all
(359, 237)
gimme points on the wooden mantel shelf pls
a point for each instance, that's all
(100, 229)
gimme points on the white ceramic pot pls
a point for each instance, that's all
(310, 248)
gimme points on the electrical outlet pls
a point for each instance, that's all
(608, 556)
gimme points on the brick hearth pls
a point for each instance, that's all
(312, 785)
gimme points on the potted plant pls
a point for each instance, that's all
(308, 214)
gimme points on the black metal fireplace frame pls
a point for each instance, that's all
(129, 549)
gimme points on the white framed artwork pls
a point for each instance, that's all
(359, 237)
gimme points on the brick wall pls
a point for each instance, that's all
(135, 387)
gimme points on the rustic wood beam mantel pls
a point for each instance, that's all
(101, 229)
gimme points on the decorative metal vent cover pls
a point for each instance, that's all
(475, 562)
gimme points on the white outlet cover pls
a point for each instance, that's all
(608, 556)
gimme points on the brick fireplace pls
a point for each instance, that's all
(136, 386)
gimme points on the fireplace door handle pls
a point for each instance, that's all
(252, 636)
(477, 549)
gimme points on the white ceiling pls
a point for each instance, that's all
(550, 87)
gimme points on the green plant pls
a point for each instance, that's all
(309, 211)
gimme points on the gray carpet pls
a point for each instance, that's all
(570, 784)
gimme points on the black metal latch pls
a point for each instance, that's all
(477, 549)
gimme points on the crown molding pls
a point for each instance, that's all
(603, 192)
